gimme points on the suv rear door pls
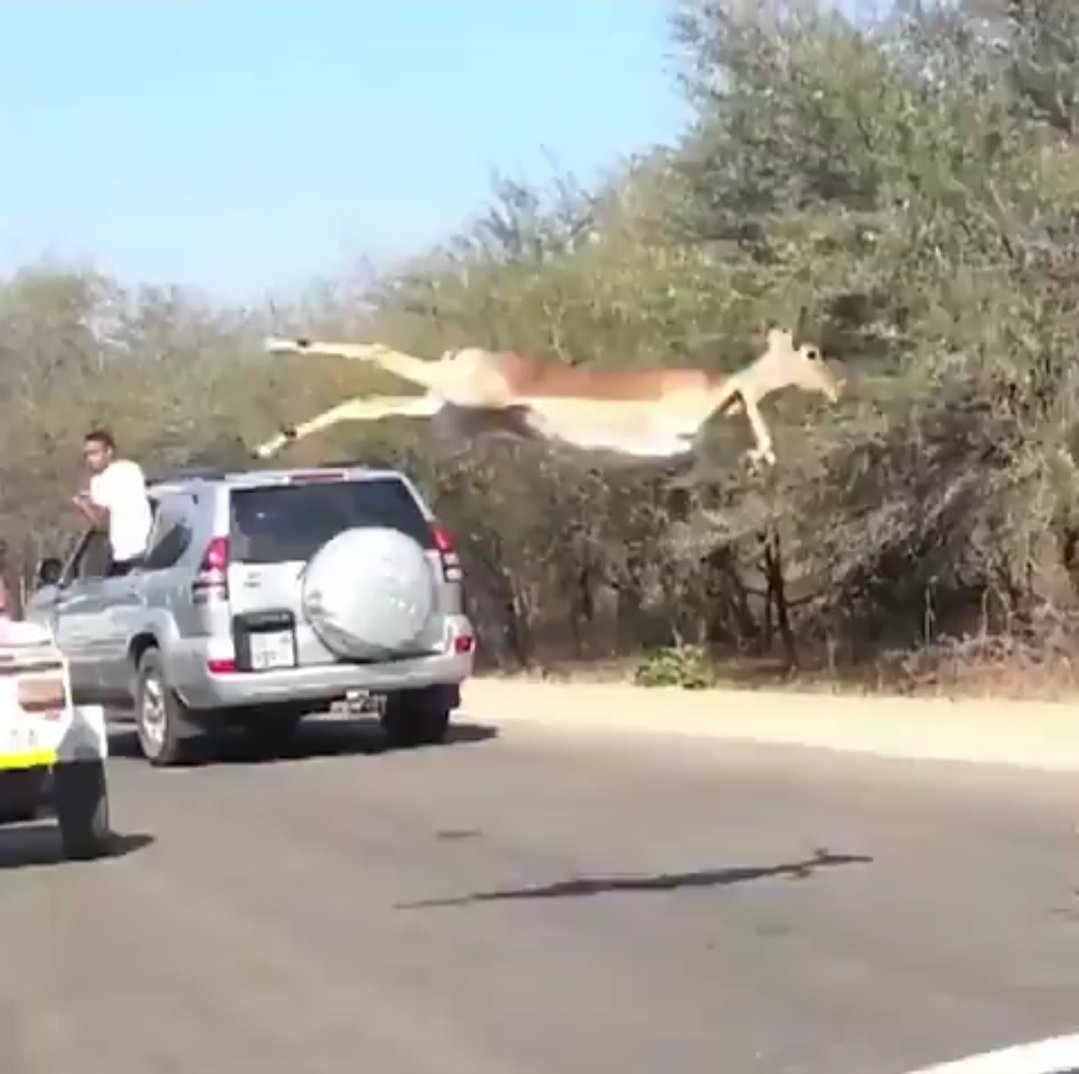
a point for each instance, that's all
(145, 589)
(275, 530)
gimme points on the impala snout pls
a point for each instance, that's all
(832, 386)
(837, 379)
(816, 374)
(277, 345)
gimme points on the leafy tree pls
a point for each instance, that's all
(911, 182)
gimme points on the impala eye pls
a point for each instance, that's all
(812, 353)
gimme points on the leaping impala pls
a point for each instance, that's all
(647, 414)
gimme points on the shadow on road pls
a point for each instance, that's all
(705, 878)
(37, 845)
(316, 737)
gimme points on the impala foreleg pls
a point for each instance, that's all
(764, 450)
(364, 409)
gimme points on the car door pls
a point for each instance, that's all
(116, 613)
(130, 602)
(76, 609)
(116, 616)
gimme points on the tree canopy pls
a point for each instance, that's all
(911, 181)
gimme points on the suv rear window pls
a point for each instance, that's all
(288, 523)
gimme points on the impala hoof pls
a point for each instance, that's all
(756, 456)
(279, 345)
(272, 447)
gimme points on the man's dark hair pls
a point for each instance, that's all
(100, 436)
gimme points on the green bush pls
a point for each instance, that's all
(688, 666)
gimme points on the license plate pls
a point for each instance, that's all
(272, 649)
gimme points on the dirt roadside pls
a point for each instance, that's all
(1029, 734)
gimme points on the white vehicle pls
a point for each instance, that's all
(48, 746)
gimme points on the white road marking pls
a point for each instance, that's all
(1054, 1055)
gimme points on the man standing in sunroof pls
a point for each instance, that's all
(115, 501)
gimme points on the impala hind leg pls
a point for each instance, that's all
(419, 371)
(371, 408)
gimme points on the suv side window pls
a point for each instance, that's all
(172, 531)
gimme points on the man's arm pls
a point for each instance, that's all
(94, 513)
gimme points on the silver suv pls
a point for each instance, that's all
(265, 596)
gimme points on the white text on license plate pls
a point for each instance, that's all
(272, 649)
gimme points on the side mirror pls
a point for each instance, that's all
(49, 572)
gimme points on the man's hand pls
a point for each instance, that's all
(84, 503)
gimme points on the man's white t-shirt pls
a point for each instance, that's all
(121, 488)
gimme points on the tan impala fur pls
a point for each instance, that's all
(654, 413)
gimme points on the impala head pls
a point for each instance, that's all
(803, 366)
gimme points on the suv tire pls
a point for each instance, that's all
(417, 717)
(81, 795)
(162, 720)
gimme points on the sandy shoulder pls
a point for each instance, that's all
(1028, 733)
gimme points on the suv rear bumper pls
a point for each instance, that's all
(198, 688)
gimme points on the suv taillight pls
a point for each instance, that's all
(451, 563)
(212, 579)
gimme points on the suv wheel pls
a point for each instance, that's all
(161, 718)
(417, 717)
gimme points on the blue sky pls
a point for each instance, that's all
(243, 145)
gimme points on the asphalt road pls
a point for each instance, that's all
(527, 902)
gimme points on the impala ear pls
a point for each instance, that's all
(800, 327)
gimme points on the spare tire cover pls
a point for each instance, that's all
(368, 592)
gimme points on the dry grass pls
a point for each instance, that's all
(998, 666)
(994, 667)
